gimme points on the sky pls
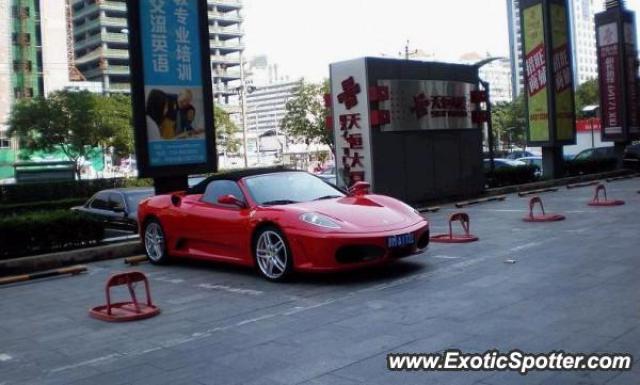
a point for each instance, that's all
(304, 36)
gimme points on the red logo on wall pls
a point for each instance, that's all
(349, 96)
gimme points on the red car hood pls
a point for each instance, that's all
(361, 212)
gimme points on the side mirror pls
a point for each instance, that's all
(230, 200)
(360, 188)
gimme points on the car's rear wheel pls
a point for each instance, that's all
(155, 242)
(272, 254)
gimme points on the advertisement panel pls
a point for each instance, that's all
(351, 119)
(172, 92)
(427, 105)
(535, 73)
(562, 75)
(610, 80)
(631, 63)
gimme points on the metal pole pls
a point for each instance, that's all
(593, 144)
(243, 112)
(490, 137)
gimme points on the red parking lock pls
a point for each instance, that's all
(126, 311)
(597, 202)
(467, 237)
(543, 217)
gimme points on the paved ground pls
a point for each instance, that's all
(574, 287)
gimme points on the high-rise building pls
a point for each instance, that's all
(581, 22)
(497, 73)
(33, 59)
(101, 43)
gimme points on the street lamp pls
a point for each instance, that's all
(591, 112)
(487, 88)
(242, 92)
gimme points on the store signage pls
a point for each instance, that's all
(428, 105)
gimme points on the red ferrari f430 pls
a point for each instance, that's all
(280, 221)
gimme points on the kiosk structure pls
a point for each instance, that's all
(412, 129)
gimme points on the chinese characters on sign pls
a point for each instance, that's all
(427, 105)
(159, 36)
(351, 132)
(352, 121)
(536, 70)
(608, 57)
(561, 69)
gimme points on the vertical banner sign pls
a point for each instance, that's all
(548, 69)
(633, 84)
(536, 74)
(610, 80)
(618, 72)
(562, 75)
(351, 121)
(171, 86)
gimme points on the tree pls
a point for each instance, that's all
(587, 94)
(225, 130)
(306, 114)
(74, 123)
(509, 122)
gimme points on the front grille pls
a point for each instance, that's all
(355, 254)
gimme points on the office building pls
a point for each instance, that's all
(34, 60)
(497, 73)
(101, 44)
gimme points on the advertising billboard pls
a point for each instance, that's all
(351, 119)
(548, 70)
(536, 74)
(171, 87)
(618, 73)
(562, 75)
(427, 105)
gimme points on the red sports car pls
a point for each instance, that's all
(280, 221)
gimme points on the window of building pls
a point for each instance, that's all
(21, 38)
(21, 12)
(20, 66)
(5, 143)
(20, 93)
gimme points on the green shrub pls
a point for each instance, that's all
(44, 232)
(54, 191)
(508, 176)
(22, 208)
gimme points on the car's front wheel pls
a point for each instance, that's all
(272, 254)
(155, 242)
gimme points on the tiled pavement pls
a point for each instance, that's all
(574, 287)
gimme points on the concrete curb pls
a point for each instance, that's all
(43, 262)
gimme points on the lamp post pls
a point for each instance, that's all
(487, 88)
(242, 93)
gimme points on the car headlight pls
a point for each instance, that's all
(319, 220)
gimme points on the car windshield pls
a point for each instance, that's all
(133, 199)
(289, 187)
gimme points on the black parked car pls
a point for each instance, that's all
(117, 208)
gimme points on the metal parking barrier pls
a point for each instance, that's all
(467, 237)
(597, 202)
(74, 270)
(130, 310)
(544, 217)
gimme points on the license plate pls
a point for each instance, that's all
(401, 240)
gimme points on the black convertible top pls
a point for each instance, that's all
(236, 175)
